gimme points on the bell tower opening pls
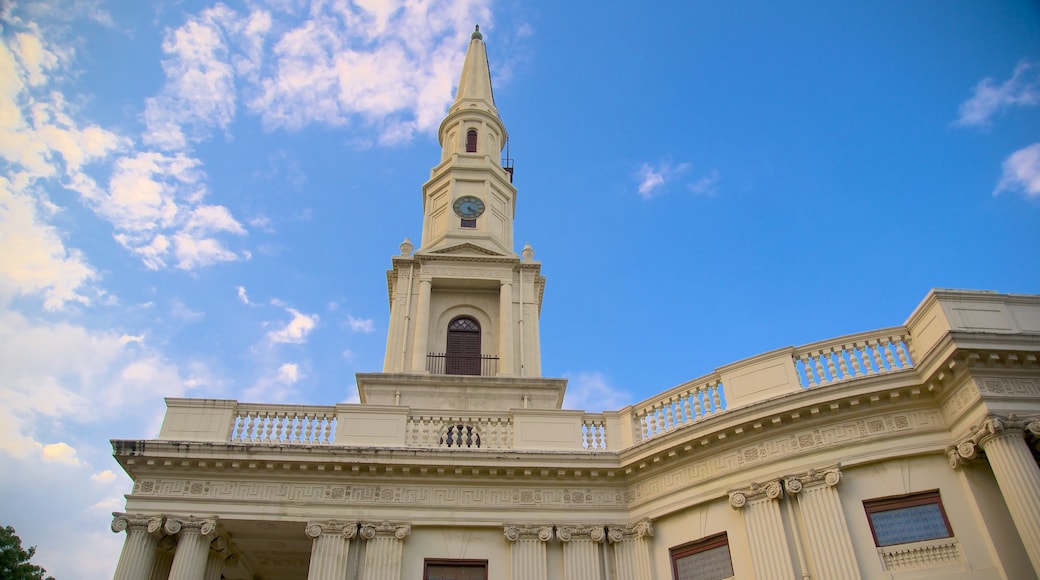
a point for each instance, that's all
(462, 352)
(471, 141)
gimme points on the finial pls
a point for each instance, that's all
(476, 34)
(406, 247)
(527, 252)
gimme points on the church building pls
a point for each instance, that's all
(904, 452)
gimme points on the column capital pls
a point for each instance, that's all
(332, 528)
(634, 531)
(593, 533)
(370, 530)
(992, 427)
(514, 533)
(202, 526)
(829, 476)
(134, 522)
(769, 490)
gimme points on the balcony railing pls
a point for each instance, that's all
(482, 365)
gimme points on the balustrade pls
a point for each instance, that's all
(851, 357)
(594, 432)
(284, 424)
(680, 406)
(460, 431)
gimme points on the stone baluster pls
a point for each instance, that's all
(329, 549)
(1016, 471)
(139, 547)
(528, 551)
(830, 545)
(760, 508)
(632, 550)
(581, 551)
(163, 558)
(384, 550)
(193, 538)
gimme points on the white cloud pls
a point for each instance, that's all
(706, 185)
(296, 331)
(242, 296)
(60, 452)
(591, 392)
(105, 476)
(361, 324)
(1022, 90)
(289, 373)
(652, 179)
(1022, 172)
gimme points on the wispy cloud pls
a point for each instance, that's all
(296, 331)
(360, 324)
(591, 391)
(990, 98)
(655, 179)
(1022, 172)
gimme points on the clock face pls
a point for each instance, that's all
(468, 207)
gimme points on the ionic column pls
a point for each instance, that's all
(422, 327)
(632, 549)
(384, 550)
(1016, 472)
(163, 558)
(528, 551)
(219, 553)
(581, 552)
(505, 333)
(329, 549)
(830, 545)
(139, 547)
(193, 538)
(760, 508)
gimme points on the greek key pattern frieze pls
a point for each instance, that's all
(1023, 387)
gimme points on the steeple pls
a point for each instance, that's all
(469, 201)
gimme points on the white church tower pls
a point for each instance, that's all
(464, 307)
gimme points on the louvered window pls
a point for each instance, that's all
(463, 349)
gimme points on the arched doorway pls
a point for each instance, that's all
(463, 349)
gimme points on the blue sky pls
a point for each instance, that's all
(200, 199)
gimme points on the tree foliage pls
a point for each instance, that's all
(14, 560)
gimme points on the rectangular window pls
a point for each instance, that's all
(467, 223)
(907, 518)
(434, 569)
(704, 559)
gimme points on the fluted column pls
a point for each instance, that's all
(330, 549)
(759, 506)
(163, 558)
(1015, 469)
(632, 549)
(422, 327)
(193, 538)
(139, 547)
(581, 551)
(505, 333)
(219, 553)
(528, 551)
(384, 550)
(830, 545)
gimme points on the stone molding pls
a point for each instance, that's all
(151, 524)
(203, 526)
(348, 530)
(769, 490)
(993, 426)
(634, 531)
(592, 533)
(396, 530)
(515, 533)
(829, 476)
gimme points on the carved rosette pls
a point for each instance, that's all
(592, 533)
(635, 531)
(515, 533)
(992, 427)
(755, 492)
(333, 528)
(135, 522)
(395, 530)
(202, 526)
(829, 476)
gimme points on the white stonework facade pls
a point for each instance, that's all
(460, 459)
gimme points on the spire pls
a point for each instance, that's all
(475, 80)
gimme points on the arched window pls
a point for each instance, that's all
(462, 355)
(471, 141)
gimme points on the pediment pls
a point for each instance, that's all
(466, 249)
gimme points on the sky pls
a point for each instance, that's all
(201, 199)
